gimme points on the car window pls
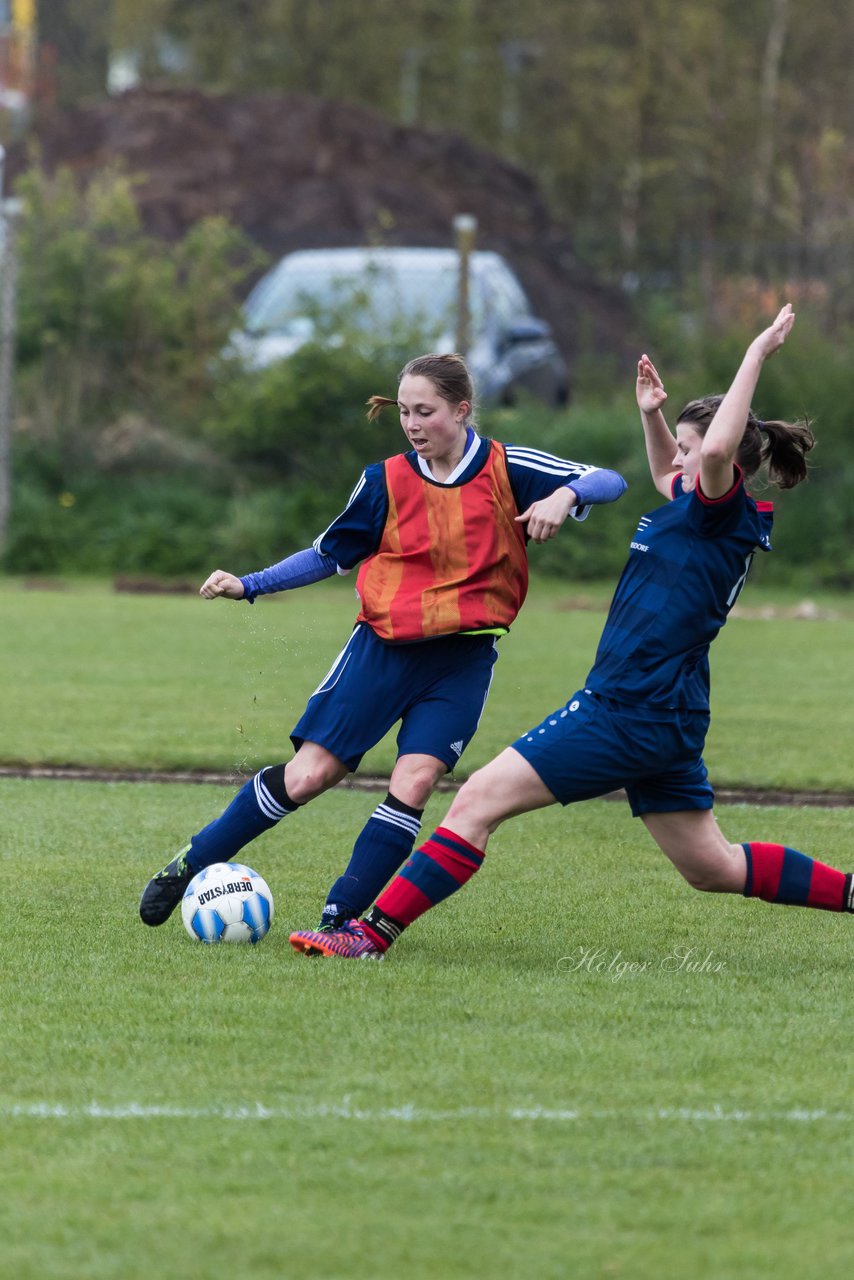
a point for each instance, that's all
(371, 298)
(508, 303)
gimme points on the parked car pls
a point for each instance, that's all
(385, 292)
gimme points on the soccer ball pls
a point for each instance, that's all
(227, 902)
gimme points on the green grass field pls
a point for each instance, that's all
(577, 1067)
(92, 678)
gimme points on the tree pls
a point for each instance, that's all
(680, 140)
(78, 32)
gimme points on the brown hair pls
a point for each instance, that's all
(448, 373)
(782, 446)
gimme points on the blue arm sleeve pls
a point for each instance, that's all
(536, 474)
(297, 570)
(598, 486)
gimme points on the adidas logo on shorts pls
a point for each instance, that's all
(457, 748)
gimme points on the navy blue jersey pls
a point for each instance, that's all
(687, 563)
(534, 474)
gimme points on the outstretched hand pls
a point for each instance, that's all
(772, 338)
(221, 583)
(650, 389)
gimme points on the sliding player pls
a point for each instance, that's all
(641, 720)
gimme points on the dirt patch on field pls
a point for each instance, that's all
(74, 773)
(805, 610)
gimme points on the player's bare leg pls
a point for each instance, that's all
(502, 789)
(700, 851)
(311, 771)
(414, 777)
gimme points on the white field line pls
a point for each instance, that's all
(412, 1114)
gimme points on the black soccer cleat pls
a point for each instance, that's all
(164, 891)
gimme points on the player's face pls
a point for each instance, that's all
(687, 456)
(434, 428)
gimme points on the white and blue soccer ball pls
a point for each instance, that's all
(227, 902)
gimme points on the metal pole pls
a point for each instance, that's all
(410, 84)
(465, 230)
(9, 211)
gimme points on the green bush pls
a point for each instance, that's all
(304, 419)
(162, 527)
(111, 319)
(262, 526)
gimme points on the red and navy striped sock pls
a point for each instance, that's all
(778, 874)
(441, 865)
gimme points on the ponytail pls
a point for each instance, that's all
(376, 404)
(782, 447)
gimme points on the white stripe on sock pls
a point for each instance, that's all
(395, 818)
(269, 807)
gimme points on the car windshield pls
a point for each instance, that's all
(376, 298)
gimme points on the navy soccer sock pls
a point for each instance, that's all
(383, 845)
(259, 805)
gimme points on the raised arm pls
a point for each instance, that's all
(721, 441)
(659, 441)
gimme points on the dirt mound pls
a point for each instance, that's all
(297, 172)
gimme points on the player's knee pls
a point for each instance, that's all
(698, 880)
(304, 781)
(474, 800)
(414, 786)
(706, 879)
(421, 791)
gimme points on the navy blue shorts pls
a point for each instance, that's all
(436, 689)
(592, 746)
